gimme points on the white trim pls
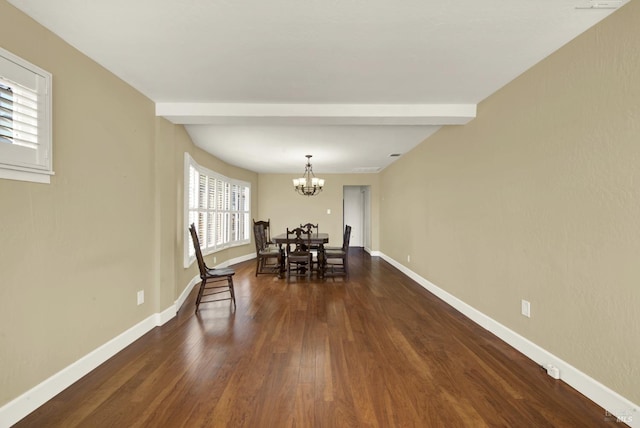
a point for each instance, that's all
(163, 317)
(188, 163)
(185, 293)
(196, 279)
(608, 399)
(186, 238)
(373, 253)
(240, 259)
(316, 114)
(11, 173)
(26, 403)
(23, 73)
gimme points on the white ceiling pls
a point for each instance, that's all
(262, 83)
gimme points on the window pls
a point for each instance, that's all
(218, 206)
(25, 120)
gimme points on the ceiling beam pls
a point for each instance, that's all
(315, 114)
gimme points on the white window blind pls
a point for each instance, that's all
(18, 115)
(25, 120)
(218, 206)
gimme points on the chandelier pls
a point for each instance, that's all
(308, 184)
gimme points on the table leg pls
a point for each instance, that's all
(283, 266)
(321, 261)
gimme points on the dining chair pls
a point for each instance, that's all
(299, 258)
(213, 281)
(268, 258)
(313, 228)
(266, 224)
(336, 259)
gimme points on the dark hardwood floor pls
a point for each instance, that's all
(376, 350)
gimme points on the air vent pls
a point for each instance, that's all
(600, 5)
(366, 169)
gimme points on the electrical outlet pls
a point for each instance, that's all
(408, 259)
(215, 260)
(140, 297)
(526, 308)
(553, 371)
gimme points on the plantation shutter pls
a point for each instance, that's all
(25, 135)
(244, 213)
(218, 206)
(18, 115)
(220, 222)
(192, 201)
(6, 114)
(211, 217)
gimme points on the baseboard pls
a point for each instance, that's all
(619, 408)
(373, 253)
(617, 405)
(185, 293)
(240, 259)
(164, 316)
(26, 403)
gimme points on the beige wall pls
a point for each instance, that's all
(73, 254)
(285, 208)
(538, 198)
(167, 179)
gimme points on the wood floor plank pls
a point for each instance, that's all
(373, 350)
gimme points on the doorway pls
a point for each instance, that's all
(357, 214)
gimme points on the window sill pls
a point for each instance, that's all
(43, 177)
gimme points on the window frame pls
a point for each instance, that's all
(234, 209)
(18, 72)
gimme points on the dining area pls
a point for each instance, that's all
(302, 252)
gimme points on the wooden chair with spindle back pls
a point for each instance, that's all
(336, 259)
(213, 281)
(268, 258)
(299, 257)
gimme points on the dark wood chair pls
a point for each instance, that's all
(299, 258)
(313, 228)
(336, 259)
(214, 281)
(266, 225)
(268, 258)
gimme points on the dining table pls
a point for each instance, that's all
(318, 239)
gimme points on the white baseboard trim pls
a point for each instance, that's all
(26, 403)
(185, 293)
(166, 315)
(373, 253)
(613, 402)
(617, 406)
(196, 279)
(239, 259)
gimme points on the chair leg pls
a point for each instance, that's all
(233, 294)
(339, 268)
(203, 283)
